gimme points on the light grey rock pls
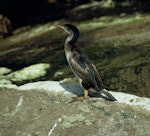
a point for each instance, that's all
(48, 113)
(76, 89)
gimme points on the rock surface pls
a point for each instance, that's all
(29, 73)
(4, 70)
(43, 109)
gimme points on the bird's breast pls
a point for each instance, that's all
(69, 56)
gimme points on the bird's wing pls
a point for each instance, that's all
(83, 68)
(98, 78)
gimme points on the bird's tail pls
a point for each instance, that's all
(107, 95)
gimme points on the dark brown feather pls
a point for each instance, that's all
(84, 69)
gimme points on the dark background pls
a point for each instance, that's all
(25, 12)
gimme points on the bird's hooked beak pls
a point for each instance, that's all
(63, 27)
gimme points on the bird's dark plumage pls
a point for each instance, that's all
(81, 66)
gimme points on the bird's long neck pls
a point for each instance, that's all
(72, 38)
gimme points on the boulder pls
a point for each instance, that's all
(4, 70)
(44, 108)
(29, 73)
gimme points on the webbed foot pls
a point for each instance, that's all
(79, 98)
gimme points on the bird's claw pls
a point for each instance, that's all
(79, 98)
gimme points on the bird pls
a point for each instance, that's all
(82, 67)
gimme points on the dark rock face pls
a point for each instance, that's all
(48, 113)
(119, 50)
(127, 79)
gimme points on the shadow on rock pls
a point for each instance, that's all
(78, 90)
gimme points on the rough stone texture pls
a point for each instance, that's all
(4, 70)
(29, 73)
(42, 113)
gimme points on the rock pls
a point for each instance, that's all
(4, 70)
(29, 73)
(43, 108)
(4, 82)
(55, 86)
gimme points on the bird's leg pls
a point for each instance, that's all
(81, 98)
(86, 94)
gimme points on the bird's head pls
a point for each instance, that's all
(71, 30)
